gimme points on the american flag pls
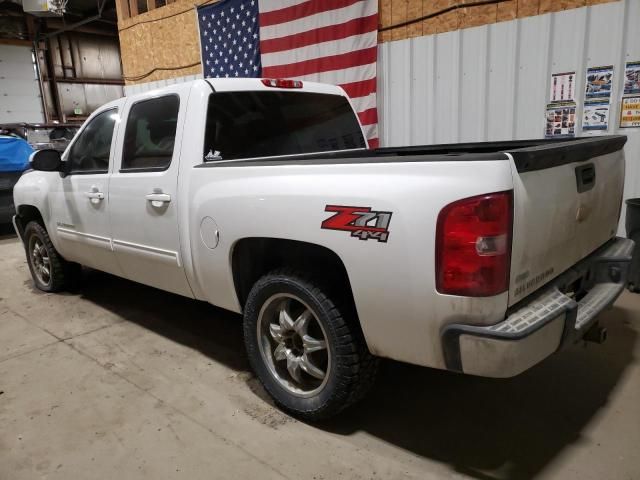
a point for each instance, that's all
(329, 41)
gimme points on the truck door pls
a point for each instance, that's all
(79, 202)
(143, 192)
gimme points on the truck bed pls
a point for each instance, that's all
(582, 217)
(529, 155)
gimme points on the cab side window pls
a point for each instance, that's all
(150, 134)
(91, 150)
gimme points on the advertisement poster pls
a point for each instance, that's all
(596, 116)
(630, 112)
(560, 120)
(563, 86)
(599, 81)
(632, 78)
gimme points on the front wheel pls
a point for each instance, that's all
(50, 272)
(311, 359)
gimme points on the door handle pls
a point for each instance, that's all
(95, 195)
(158, 199)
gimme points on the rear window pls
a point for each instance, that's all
(265, 124)
(150, 134)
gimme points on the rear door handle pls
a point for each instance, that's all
(95, 195)
(158, 199)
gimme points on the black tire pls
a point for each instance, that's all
(60, 271)
(353, 368)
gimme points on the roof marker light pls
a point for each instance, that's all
(281, 83)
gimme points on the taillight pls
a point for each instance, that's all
(281, 83)
(473, 245)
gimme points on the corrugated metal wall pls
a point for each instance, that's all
(82, 56)
(492, 82)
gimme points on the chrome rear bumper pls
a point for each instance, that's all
(544, 322)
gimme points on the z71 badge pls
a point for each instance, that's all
(362, 222)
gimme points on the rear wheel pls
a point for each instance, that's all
(310, 358)
(50, 272)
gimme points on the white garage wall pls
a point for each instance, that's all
(19, 88)
(492, 82)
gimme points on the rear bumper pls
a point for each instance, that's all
(544, 322)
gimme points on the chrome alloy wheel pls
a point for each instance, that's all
(40, 260)
(293, 345)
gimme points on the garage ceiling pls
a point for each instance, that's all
(79, 9)
(85, 8)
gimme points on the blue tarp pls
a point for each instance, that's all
(14, 154)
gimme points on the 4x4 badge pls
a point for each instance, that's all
(362, 222)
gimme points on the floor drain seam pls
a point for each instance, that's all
(27, 352)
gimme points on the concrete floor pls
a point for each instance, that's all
(122, 381)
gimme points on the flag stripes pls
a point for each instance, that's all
(328, 41)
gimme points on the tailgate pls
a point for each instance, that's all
(567, 198)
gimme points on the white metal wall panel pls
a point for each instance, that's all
(447, 68)
(492, 82)
(533, 46)
(501, 82)
(473, 77)
(19, 88)
(631, 50)
(422, 58)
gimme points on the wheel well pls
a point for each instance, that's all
(26, 214)
(253, 258)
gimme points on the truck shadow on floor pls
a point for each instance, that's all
(483, 428)
(491, 428)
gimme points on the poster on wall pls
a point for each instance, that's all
(563, 86)
(599, 82)
(632, 78)
(560, 120)
(596, 116)
(630, 112)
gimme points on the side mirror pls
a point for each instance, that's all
(46, 160)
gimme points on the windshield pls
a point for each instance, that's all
(265, 124)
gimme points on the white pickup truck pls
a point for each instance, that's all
(261, 197)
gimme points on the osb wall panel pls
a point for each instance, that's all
(444, 22)
(394, 12)
(163, 41)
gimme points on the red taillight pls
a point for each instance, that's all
(281, 83)
(473, 245)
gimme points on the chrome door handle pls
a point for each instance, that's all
(158, 199)
(94, 195)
